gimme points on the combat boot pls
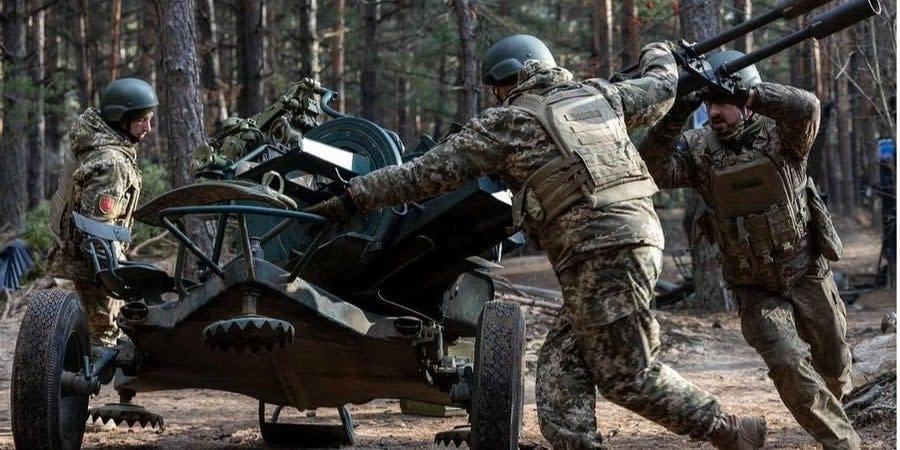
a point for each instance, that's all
(739, 433)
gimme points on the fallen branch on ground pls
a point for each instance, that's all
(137, 248)
(540, 292)
(526, 291)
(530, 302)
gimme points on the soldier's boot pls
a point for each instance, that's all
(739, 433)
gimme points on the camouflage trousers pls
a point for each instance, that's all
(802, 337)
(101, 313)
(606, 336)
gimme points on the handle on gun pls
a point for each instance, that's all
(327, 96)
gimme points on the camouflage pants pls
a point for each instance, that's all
(101, 313)
(605, 335)
(802, 339)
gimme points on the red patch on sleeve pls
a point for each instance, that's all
(107, 204)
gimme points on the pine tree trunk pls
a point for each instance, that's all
(798, 62)
(87, 74)
(53, 130)
(835, 174)
(404, 125)
(403, 120)
(631, 33)
(743, 10)
(826, 88)
(214, 96)
(181, 109)
(699, 20)
(115, 40)
(251, 56)
(13, 161)
(869, 124)
(845, 127)
(466, 22)
(368, 74)
(337, 56)
(817, 164)
(148, 43)
(37, 150)
(602, 38)
(309, 39)
(442, 93)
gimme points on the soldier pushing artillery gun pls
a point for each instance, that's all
(323, 265)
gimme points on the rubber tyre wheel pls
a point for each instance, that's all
(498, 394)
(53, 337)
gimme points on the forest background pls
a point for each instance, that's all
(410, 65)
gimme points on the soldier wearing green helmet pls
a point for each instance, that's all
(582, 193)
(774, 232)
(503, 61)
(126, 100)
(100, 179)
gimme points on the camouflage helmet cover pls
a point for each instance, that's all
(748, 76)
(126, 95)
(506, 57)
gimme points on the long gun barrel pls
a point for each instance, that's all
(818, 27)
(786, 9)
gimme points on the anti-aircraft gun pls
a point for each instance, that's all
(698, 73)
(289, 309)
(333, 315)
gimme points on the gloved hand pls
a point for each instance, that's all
(725, 93)
(673, 47)
(339, 209)
(712, 87)
(685, 105)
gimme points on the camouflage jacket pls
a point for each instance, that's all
(512, 144)
(787, 123)
(100, 179)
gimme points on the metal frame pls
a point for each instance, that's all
(176, 227)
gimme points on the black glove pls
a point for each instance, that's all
(712, 87)
(723, 94)
(338, 209)
(685, 105)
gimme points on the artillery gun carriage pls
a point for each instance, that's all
(286, 307)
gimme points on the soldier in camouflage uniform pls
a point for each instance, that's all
(100, 179)
(582, 193)
(749, 165)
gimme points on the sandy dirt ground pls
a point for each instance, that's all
(707, 349)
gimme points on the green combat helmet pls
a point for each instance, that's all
(504, 59)
(126, 95)
(748, 77)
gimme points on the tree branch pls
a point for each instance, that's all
(134, 252)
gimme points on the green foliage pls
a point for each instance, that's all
(155, 182)
(38, 238)
(59, 90)
(37, 228)
(22, 90)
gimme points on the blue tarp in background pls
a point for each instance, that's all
(14, 262)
